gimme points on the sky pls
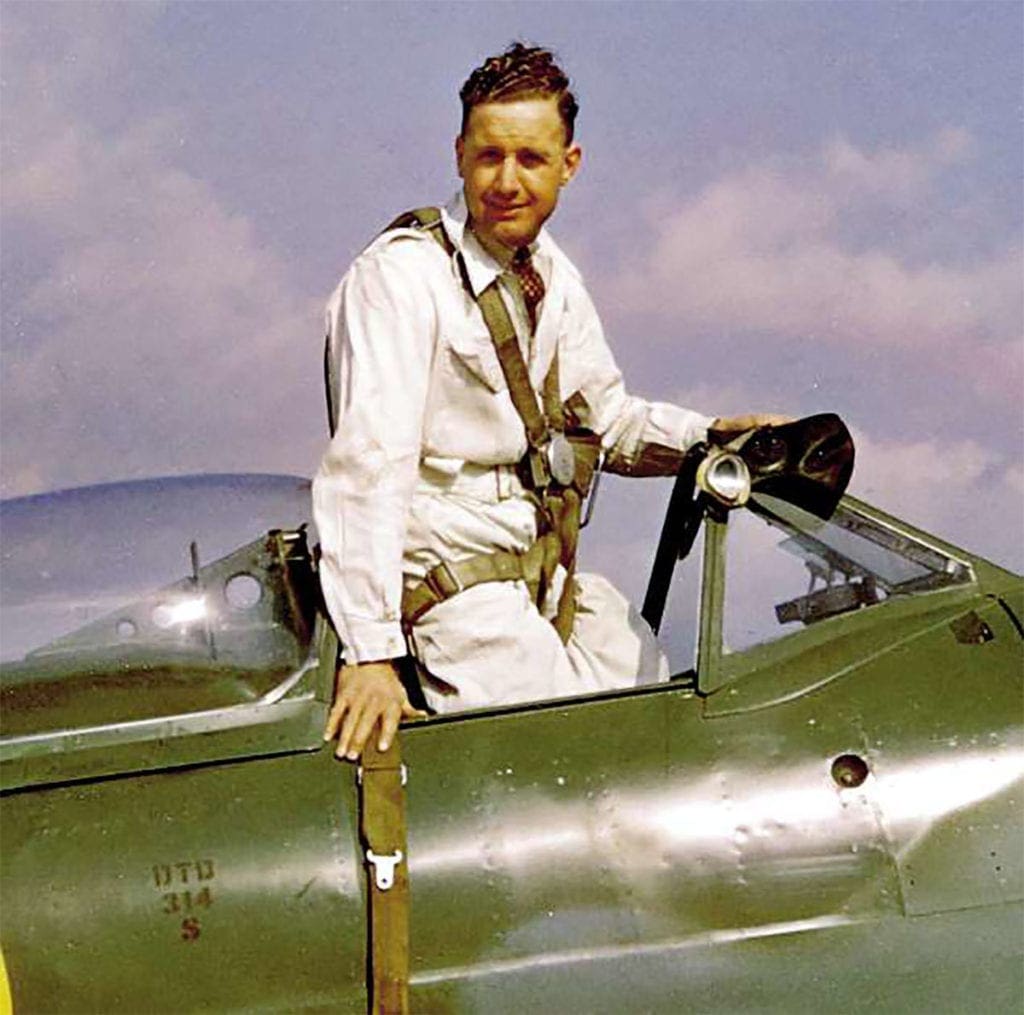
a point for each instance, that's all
(792, 207)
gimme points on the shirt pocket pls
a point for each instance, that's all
(473, 352)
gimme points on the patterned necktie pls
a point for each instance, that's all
(530, 282)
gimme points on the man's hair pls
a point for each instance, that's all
(521, 72)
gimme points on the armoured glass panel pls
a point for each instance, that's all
(138, 600)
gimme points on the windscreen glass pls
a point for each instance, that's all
(135, 600)
(787, 568)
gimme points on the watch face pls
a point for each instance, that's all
(561, 459)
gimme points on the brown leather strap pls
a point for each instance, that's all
(449, 578)
(382, 818)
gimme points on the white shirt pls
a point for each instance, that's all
(421, 466)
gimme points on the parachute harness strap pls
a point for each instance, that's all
(382, 778)
(558, 482)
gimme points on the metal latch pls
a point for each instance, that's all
(384, 867)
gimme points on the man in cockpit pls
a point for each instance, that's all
(473, 396)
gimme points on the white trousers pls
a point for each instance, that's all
(491, 646)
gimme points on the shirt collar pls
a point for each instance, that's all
(481, 268)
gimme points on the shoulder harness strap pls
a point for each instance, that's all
(503, 335)
(424, 218)
(558, 508)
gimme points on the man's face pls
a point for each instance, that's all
(513, 161)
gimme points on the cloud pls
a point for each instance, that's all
(775, 250)
(962, 491)
(894, 172)
(151, 321)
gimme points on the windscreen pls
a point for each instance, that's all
(786, 568)
(133, 600)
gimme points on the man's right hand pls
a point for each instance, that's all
(366, 694)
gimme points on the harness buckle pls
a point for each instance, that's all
(551, 463)
(538, 475)
(443, 581)
(561, 458)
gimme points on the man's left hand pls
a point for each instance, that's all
(733, 425)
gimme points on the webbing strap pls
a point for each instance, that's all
(424, 218)
(558, 508)
(450, 578)
(506, 342)
(554, 410)
(513, 366)
(382, 819)
(564, 509)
